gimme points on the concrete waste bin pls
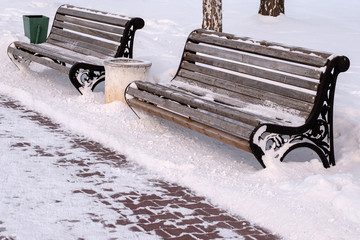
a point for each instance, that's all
(119, 73)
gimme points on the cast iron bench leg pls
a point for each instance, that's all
(18, 60)
(267, 142)
(276, 141)
(86, 76)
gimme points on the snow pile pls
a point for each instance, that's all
(298, 199)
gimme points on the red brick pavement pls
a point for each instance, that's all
(169, 212)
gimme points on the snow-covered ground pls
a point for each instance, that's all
(298, 199)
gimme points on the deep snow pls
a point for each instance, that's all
(297, 199)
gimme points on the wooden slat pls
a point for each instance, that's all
(236, 90)
(93, 25)
(206, 105)
(273, 114)
(193, 125)
(77, 48)
(321, 54)
(252, 71)
(87, 31)
(94, 15)
(245, 81)
(47, 52)
(265, 50)
(246, 94)
(90, 43)
(269, 63)
(192, 113)
(43, 61)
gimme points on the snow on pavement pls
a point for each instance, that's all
(61, 186)
(42, 172)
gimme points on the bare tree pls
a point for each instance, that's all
(271, 7)
(212, 15)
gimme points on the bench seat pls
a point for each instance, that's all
(263, 97)
(53, 52)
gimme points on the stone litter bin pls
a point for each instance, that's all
(119, 73)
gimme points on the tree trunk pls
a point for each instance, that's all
(271, 7)
(212, 15)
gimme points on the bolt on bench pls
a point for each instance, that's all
(79, 41)
(262, 97)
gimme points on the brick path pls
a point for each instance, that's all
(158, 209)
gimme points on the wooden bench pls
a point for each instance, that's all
(79, 41)
(263, 97)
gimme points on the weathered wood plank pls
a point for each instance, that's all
(47, 51)
(91, 43)
(322, 54)
(88, 31)
(245, 94)
(76, 48)
(192, 113)
(43, 61)
(93, 15)
(269, 50)
(193, 125)
(250, 70)
(93, 25)
(246, 81)
(270, 113)
(211, 106)
(269, 63)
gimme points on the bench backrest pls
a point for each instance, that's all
(94, 32)
(253, 71)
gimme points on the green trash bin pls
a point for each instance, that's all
(36, 27)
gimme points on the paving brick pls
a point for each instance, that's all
(123, 221)
(260, 237)
(219, 218)
(178, 214)
(239, 224)
(143, 220)
(201, 213)
(192, 198)
(142, 211)
(214, 211)
(163, 216)
(183, 237)
(223, 225)
(179, 231)
(196, 205)
(106, 203)
(117, 195)
(177, 193)
(152, 226)
(147, 203)
(135, 229)
(191, 221)
(206, 227)
(162, 234)
(207, 236)
(150, 197)
(88, 191)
